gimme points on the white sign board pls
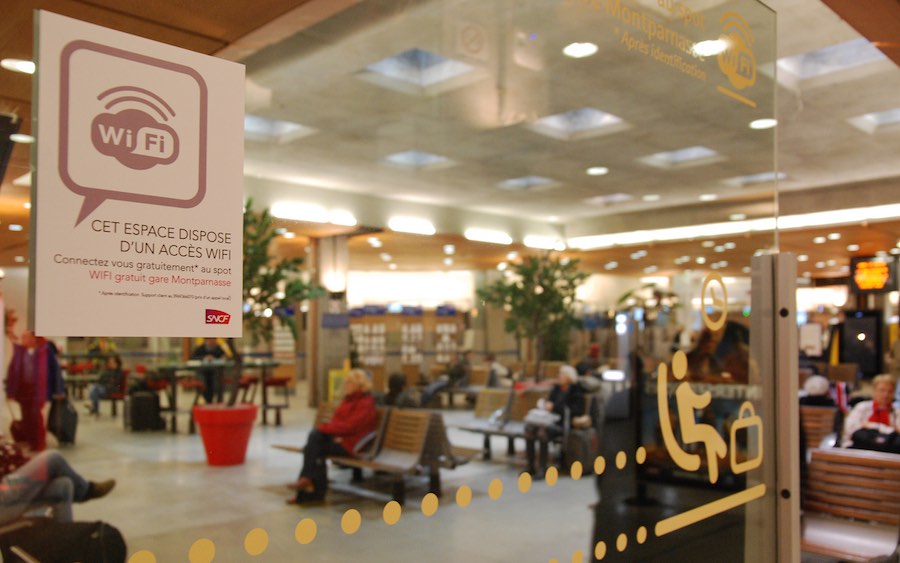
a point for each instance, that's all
(139, 188)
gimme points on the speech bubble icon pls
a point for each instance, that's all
(135, 129)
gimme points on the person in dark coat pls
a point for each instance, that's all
(33, 378)
(567, 399)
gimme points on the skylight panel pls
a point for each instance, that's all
(526, 183)
(682, 158)
(263, 129)
(753, 179)
(418, 71)
(418, 160)
(871, 123)
(831, 59)
(578, 124)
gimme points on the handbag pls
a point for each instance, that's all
(16, 427)
(541, 417)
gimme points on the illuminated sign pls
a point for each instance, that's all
(873, 275)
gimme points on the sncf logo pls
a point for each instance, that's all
(216, 317)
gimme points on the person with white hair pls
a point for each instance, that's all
(567, 401)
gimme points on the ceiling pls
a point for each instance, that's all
(310, 63)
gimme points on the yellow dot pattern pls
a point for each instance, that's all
(392, 512)
(641, 535)
(464, 496)
(351, 521)
(576, 470)
(256, 541)
(552, 476)
(306, 531)
(429, 504)
(203, 551)
(524, 482)
(142, 556)
(495, 489)
(641, 455)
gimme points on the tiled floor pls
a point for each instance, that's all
(168, 498)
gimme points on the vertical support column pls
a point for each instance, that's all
(329, 319)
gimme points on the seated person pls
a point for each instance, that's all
(399, 395)
(875, 424)
(353, 419)
(567, 399)
(457, 376)
(208, 351)
(817, 389)
(46, 480)
(110, 381)
(498, 374)
(589, 364)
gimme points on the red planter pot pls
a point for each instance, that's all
(225, 431)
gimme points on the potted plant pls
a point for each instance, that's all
(538, 295)
(272, 286)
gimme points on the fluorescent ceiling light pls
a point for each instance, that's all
(263, 129)
(831, 59)
(708, 197)
(418, 160)
(681, 158)
(609, 199)
(417, 67)
(544, 242)
(651, 197)
(488, 235)
(737, 216)
(300, 212)
(579, 50)
(18, 65)
(597, 171)
(414, 225)
(753, 179)
(764, 123)
(786, 222)
(871, 123)
(710, 47)
(342, 217)
(527, 183)
(21, 138)
(449, 249)
(578, 124)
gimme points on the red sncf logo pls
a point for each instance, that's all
(216, 317)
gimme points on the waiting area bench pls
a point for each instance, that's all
(501, 412)
(851, 504)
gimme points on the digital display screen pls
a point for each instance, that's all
(873, 275)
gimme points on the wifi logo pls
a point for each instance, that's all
(136, 135)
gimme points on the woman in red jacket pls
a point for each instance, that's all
(354, 418)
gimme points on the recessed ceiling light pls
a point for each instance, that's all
(834, 236)
(289, 235)
(21, 138)
(27, 205)
(597, 171)
(448, 261)
(729, 246)
(449, 249)
(819, 240)
(700, 260)
(831, 263)
(708, 243)
(803, 258)
(682, 158)
(737, 216)
(895, 251)
(708, 197)
(746, 269)
(512, 255)
(650, 269)
(820, 264)
(375, 242)
(719, 249)
(611, 265)
(579, 50)
(852, 247)
(709, 48)
(651, 197)
(502, 266)
(19, 259)
(385, 257)
(18, 65)
(765, 123)
(15, 227)
(392, 266)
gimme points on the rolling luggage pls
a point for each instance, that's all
(142, 412)
(49, 541)
(62, 420)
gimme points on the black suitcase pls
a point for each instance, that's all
(142, 412)
(48, 541)
(62, 420)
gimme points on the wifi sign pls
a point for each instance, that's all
(133, 136)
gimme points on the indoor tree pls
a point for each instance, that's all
(538, 295)
(272, 285)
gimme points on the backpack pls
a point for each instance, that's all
(26, 540)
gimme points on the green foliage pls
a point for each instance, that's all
(269, 284)
(538, 295)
